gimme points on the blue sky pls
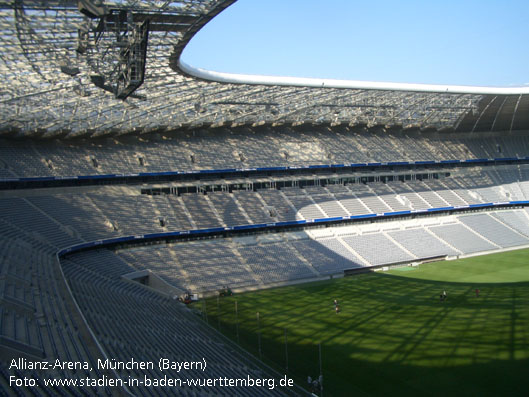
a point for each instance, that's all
(471, 42)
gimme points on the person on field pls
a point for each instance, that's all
(477, 292)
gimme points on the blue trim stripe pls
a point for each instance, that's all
(235, 170)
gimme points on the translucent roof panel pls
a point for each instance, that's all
(49, 88)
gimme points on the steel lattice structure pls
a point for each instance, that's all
(48, 90)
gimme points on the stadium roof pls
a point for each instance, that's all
(60, 78)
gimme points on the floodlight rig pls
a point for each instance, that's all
(131, 66)
(115, 47)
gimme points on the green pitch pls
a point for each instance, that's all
(393, 335)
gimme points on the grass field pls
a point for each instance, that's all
(393, 335)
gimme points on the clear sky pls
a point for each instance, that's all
(469, 42)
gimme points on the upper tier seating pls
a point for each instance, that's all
(263, 147)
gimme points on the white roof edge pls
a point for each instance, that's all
(236, 78)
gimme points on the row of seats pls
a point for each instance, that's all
(35, 317)
(260, 148)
